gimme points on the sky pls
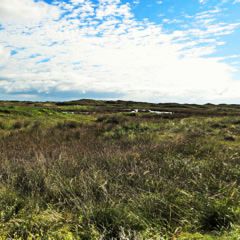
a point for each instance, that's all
(185, 51)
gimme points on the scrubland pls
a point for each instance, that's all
(96, 170)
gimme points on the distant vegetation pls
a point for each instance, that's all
(102, 170)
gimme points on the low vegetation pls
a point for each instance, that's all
(100, 170)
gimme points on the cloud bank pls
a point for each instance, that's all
(88, 46)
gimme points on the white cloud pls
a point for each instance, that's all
(203, 1)
(102, 48)
(16, 11)
(4, 53)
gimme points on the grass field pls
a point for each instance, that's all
(114, 170)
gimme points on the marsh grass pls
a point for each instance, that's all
(118, 176)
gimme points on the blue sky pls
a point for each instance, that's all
(143, 50)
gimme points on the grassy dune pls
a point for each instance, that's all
(95, 170)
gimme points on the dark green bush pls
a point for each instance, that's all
(111, 220)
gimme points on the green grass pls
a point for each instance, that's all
(109, 174)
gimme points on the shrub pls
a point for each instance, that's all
(10, 204)
(68, 124)
(112, 220)
(2, 125)
(229, 138)
(18, 125)
(217, 215)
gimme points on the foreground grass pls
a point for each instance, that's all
(118, 176)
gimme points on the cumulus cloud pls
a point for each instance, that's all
(16, 11)
(101, 47)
